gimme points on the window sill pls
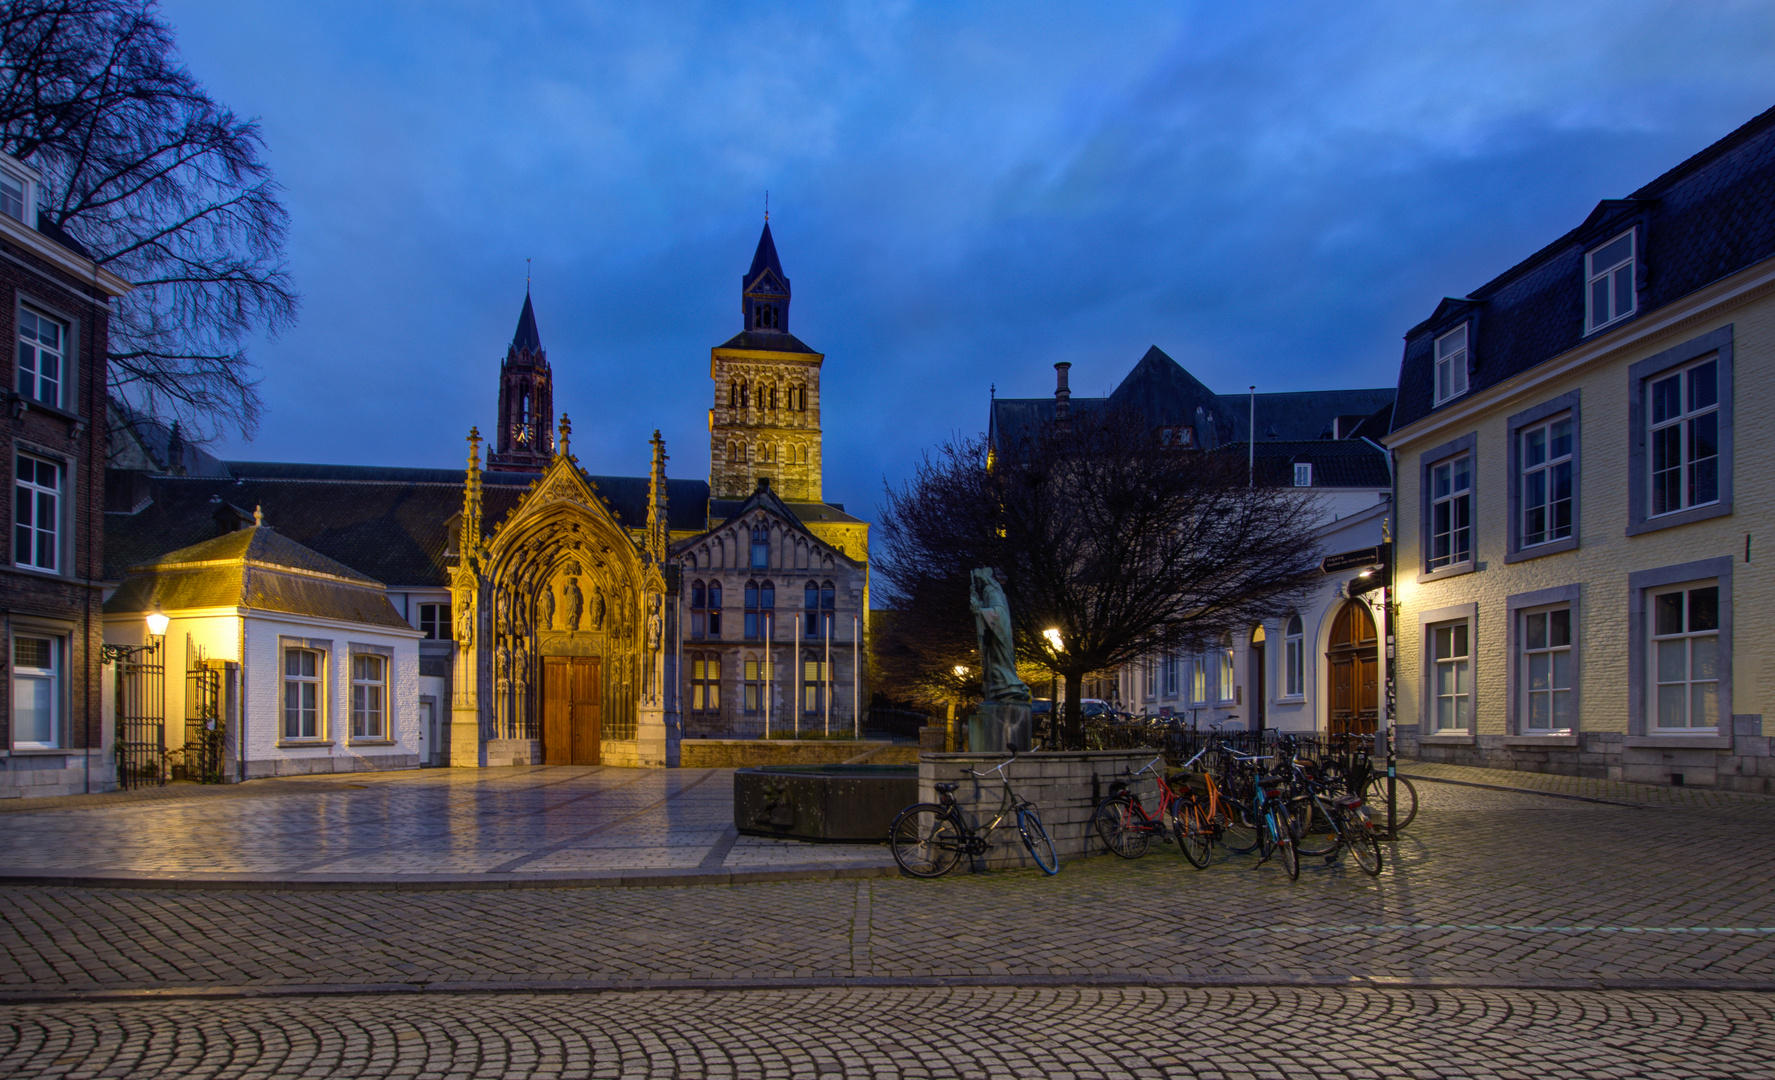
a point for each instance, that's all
(34, 405)
(1707, 740)
(1681, 517)
(371, 742)
(1291, 699)
(303, 744)
(1447, 738)
(40, 751)
(1541, 740)
(1456, 570)
(1551, 547)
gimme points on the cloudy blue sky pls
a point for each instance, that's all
(962, 193)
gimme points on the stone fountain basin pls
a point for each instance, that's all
(851, 803)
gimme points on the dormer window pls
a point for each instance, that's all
(1451, 364)
(18, 190)
(1303, 474)
(1609, 272)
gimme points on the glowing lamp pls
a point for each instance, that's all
(157, 621)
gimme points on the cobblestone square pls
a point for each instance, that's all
(1513, 933)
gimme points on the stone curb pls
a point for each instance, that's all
(871, 982)
(626, 879)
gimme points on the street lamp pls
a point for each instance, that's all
(1052, 633)
(157, 623)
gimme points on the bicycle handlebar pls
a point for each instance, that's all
(999, 768)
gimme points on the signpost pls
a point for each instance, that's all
(1377, 556)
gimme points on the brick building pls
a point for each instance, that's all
(56, 303)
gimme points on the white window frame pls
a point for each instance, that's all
(31, 343)
(46, 503)
(1454, 499)
(28, 181)
(1303, 474)
(1171, 683)
(1686, 641)
(1199, 680)
(35, 676)
(1149, 678)
(1616, 279)
(1551, 653)
(1548, 469)
(1451, 677)
(705, 682)
(369, 698)
(1683, 422)
(1224, 683)
(318, 681)
(1449, 367)
(752, 685)
(1294, 658)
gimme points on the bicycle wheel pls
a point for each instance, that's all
(1281, 834)
(1194, 836)
(925, 840)
(1362, 843)
(1313, 832)
(1375, 795)
(1239, 834)
(1122, 827)
(1035, 838)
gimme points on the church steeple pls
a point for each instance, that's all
(764, 291)
(525, 441)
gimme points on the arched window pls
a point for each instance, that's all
(810, 603)
(773, 397)
(714, 609)
(699, 603)
(753, 632)
(745, 401)
(524, 407)
(1294, 659)
(733, 394)
(760, 547)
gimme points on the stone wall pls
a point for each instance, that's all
(1742, 762)
(1065, 788)
(744, 753)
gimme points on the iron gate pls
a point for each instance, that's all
(141, 717)
(203, 725)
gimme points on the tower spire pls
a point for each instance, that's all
(657, 522)
(522, 441)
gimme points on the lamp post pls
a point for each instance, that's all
(1052, 633)
(157, 624)
(961, 672)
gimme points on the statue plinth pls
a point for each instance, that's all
(1001, 724)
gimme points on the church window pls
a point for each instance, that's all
(760, 547)
(813, 686)
(818, 601)
(744, 400)
(753, 631)
(699, 603)
(733, 394)
(773, 397)
(754, 679)
(767, 606)
(705, 682)
(524, 407)
(714, 609)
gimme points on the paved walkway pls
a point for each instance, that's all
(436, 827)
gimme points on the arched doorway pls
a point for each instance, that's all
(1353, 665)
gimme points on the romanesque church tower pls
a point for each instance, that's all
(766, 419)
(526, 436)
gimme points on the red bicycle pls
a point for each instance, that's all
(1122, 819)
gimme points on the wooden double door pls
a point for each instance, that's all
(1353, 662)
(572, 710)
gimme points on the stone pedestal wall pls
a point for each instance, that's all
(1064, 786)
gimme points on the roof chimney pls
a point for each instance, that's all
(1062, 394)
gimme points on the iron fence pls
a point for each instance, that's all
(141, 717)
(204, 734)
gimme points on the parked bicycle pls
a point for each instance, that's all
(1326, 820)
(1264, 820)
(1121, 818)
(928, 839)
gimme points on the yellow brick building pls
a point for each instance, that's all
(1582, 474)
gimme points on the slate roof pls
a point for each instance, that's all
(1709, 217)
(765, 341)
(764, 258)
(1159, 389)
(390, 524)
(1336, 462)
(525, 338)
(259, 569)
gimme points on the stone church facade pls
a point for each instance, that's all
(567, 616)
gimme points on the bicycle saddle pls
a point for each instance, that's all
(945, 788)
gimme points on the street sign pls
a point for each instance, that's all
(1355, 560)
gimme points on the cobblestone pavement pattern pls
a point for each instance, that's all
(1511, 935)
(911, 1033)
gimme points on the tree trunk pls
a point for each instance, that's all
(1075, 718)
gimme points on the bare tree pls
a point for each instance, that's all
(1124, 545)
(160, 184)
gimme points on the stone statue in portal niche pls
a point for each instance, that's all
(545, 607)
(598, 599)
(575, 603)
(998, 654)
(465, 619)
(655, 625)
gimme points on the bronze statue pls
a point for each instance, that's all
(998, 653)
